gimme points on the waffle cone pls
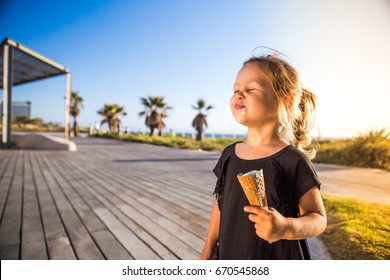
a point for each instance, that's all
(253, 185)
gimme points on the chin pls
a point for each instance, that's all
(241, 121)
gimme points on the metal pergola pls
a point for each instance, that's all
(20, 65)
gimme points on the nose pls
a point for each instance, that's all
(239, 95)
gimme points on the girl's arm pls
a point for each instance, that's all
(312, 220)
(272, 226)
(212, 235)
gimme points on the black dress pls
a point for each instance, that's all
(288, 175)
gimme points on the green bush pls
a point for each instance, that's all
(368, 150)
(208, 144)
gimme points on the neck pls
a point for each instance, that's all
(258, 136)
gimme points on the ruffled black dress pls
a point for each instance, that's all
(288, 175)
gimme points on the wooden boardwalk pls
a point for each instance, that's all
(108, 200)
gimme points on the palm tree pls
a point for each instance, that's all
(76, 102)
(200, 120)
(111, 114)
(155, 111)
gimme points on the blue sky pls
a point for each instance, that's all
(119, 51)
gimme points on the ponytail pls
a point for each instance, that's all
(304, 123)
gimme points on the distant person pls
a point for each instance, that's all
(97, 127)
(270, 101)
(91, 129)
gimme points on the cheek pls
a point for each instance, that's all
(274, 104)
(232, 103)
(269, 102)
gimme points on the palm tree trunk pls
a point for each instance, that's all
(199, 135)
(110, 124)
(75, 130)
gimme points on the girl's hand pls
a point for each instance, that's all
(209, 253)
(270, 225)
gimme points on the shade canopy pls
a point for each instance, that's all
(20, 65)
(28, 65)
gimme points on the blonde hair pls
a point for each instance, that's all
(296, 104)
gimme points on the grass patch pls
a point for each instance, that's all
(208, 144)
(357, 230)
(369, 150)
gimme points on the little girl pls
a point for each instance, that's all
(269, 100)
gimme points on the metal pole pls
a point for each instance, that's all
(7, 95)
(67, 105)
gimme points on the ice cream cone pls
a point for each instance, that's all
(253, 186)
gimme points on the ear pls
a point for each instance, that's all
(289, 101)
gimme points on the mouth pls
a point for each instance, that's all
(238, 106)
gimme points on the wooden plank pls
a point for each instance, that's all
(159, 183)
(174, 228)
(9, 252)
(163, 172)
(129, 240)
(94, 189)
(182, 250)
(154, 216)
(60, 248)
(166, 223)
(4, 155)
(97, 228)
(168, 239)
(195, 224)
(86, 215)
(180, 190)
(112, 249)
(144, 236)
(182, 234)
(170, 209)
(33, 241)
(58, 244)
(83, 244)
(186, 185)
(123, 234)
(155, 188)
(7, 169)
(157, 218)
(126, 237)
(12, 215)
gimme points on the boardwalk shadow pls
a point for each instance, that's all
(166, 160)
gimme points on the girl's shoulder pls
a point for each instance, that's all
(229, 150)
(296, 154)
(292, 151)
(226, 154)
(295, 160)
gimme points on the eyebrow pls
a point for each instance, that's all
(252, 81)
